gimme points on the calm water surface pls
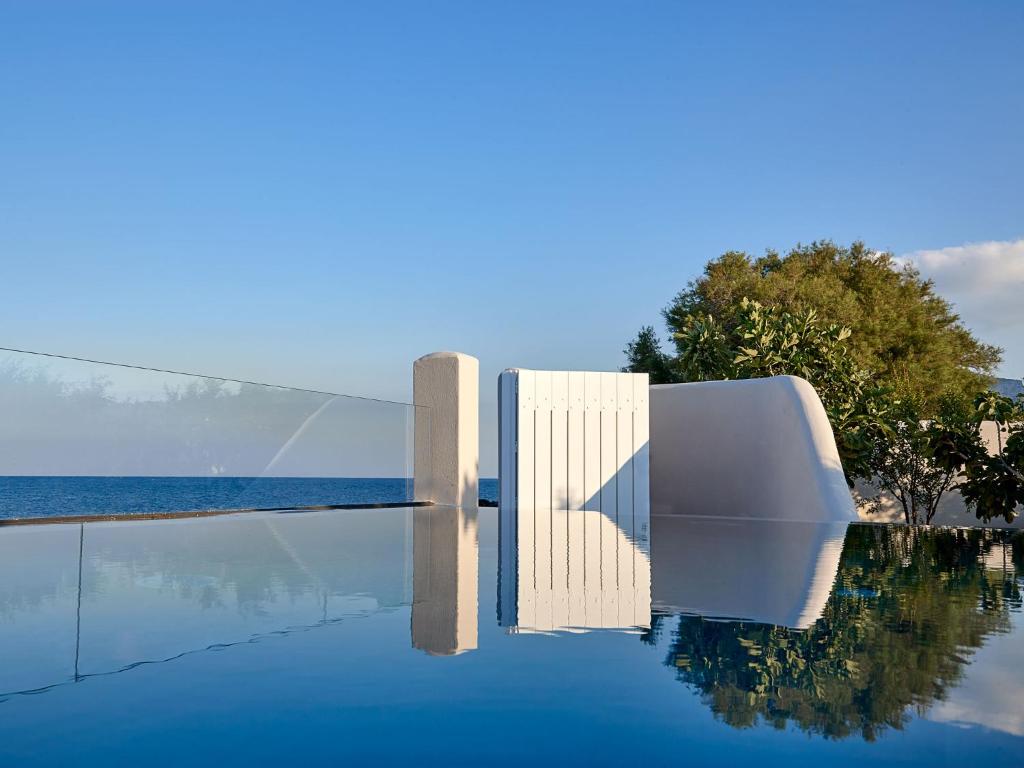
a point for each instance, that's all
(323, 638)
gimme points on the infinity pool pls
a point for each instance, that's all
(392, 635)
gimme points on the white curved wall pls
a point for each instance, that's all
(757, 448)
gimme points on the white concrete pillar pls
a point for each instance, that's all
(446, 389)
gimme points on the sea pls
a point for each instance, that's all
(36, 497)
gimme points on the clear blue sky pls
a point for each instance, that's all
(316, 193)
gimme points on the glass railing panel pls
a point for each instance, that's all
(87, 438)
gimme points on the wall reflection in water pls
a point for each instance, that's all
(767, 571)
(444, 608)
(573, 570)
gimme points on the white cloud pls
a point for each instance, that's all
(990, 693)
(985, 281)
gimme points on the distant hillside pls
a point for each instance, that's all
(1009, 387)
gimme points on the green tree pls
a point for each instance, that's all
(919, 460)
(900, 329)
(993, 485)
(763, 341)
(644, 355)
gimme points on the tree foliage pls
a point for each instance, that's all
(887, 355)
(918, 460)
(645, 356)
(759, 341)
(993, 485)
(900, 329)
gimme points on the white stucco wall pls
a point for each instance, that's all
(758, 448)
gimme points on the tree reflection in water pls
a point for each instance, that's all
(908, 608)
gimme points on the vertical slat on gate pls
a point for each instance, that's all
(609, 393)
(576, 543)
(542, 499)
(641, 460)
(641, 501)
(609, 500)
(560, 439)
(624, 494)
(574, 458)
(527, 414)
(592, 441)
(526, 418)
(624, 452)
(560, 497)
(592, 495)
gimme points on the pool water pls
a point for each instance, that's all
(324, 638)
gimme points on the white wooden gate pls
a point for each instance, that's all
(575, 498)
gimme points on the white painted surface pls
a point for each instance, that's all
(446, 391)
(574, 440)
(758, 448)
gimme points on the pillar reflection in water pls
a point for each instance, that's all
(573, 570)
(444, 608)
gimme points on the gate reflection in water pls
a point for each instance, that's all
(583, 573)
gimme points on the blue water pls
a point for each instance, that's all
(380, 637)
(28, 497)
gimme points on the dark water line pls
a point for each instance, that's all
(81, 519)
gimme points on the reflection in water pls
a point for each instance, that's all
(767, 571)
(573, 570)
(902, 622)
(444, 606)
(908, 609)
(108, 596)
